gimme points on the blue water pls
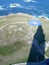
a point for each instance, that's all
(32, 7)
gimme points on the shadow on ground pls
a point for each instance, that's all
(37, 51)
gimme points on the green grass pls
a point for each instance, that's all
(20, 48)
(9, 49)
(20, 55)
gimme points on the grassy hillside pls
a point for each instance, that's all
(16, 37)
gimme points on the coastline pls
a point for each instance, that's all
(34, 16)
(14, 25)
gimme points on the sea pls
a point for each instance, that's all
(33, 7)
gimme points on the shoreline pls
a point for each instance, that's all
(34, 16)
